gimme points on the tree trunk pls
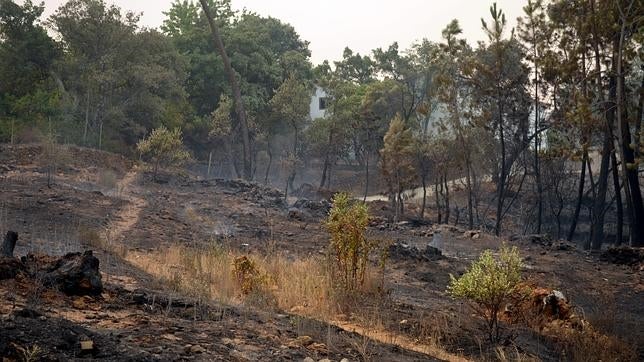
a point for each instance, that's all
(537, 170)
(500, 188)
(580, 197)
(597, 228)
(599, 206)
(422, 208)
(437, 198)
(618, 199)
(86, 118)
(270, 162)
(234, 85)
(209, 164)
(325, 167)
(470, 201)
(366, 183)
(447, 210)
(629, 174)
(8, 244)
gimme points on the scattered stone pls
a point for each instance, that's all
(304, 340)
(308, 359)
(318, 347)
(197, 349)
(306, 209)
(404, 251)
(471, 234)
(87, 345)
(623, 256)
(539, 239)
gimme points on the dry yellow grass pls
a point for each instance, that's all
(301, 286)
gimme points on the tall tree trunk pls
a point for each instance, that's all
(234, 85)
(324, 170)
(500, 187)
(629, 173)
(422, 208)
(366, 179)
(270, 162)
(618, 199)
(447, 210)
(470, 196)
(437, 198)
(86, 118)
(580, 197)
(599, 204)
(537, 167)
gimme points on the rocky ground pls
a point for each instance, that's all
(100, 200)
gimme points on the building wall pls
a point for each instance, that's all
(315, 111)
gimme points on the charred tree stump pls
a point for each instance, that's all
(8, 244)
(73, 274)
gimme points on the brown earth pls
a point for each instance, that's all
(137, 318)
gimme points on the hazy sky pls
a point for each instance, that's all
(330, 25)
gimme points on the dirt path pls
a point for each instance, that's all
(129, 215)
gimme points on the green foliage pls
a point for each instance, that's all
(397, 160)
(291, 102)
(163, 148)
(488, 284)
(221, 120)
(28, 94)
(120, 81)
(347, 223)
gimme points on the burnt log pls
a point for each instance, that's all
(73, 274)
(8, 244)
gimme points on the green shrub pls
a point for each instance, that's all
(164, 148)
(489, 284)
(347, 223)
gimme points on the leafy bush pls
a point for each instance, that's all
(247, 274)
(489, 284)
(347, 224)
(163, 148)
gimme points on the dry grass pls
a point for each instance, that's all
(590, 345)
(301, 286)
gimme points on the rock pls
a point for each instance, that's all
(404, 251)
(539, 239)
(318, 347)
(308, 359)
(197, 349)
(623, 256)
(309, 208)
(87, 345)
(304, 340)
(298, 214)
(470, 234)
(344, 360)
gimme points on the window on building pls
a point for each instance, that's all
(322, 103)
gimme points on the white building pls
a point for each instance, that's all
(318, 104)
